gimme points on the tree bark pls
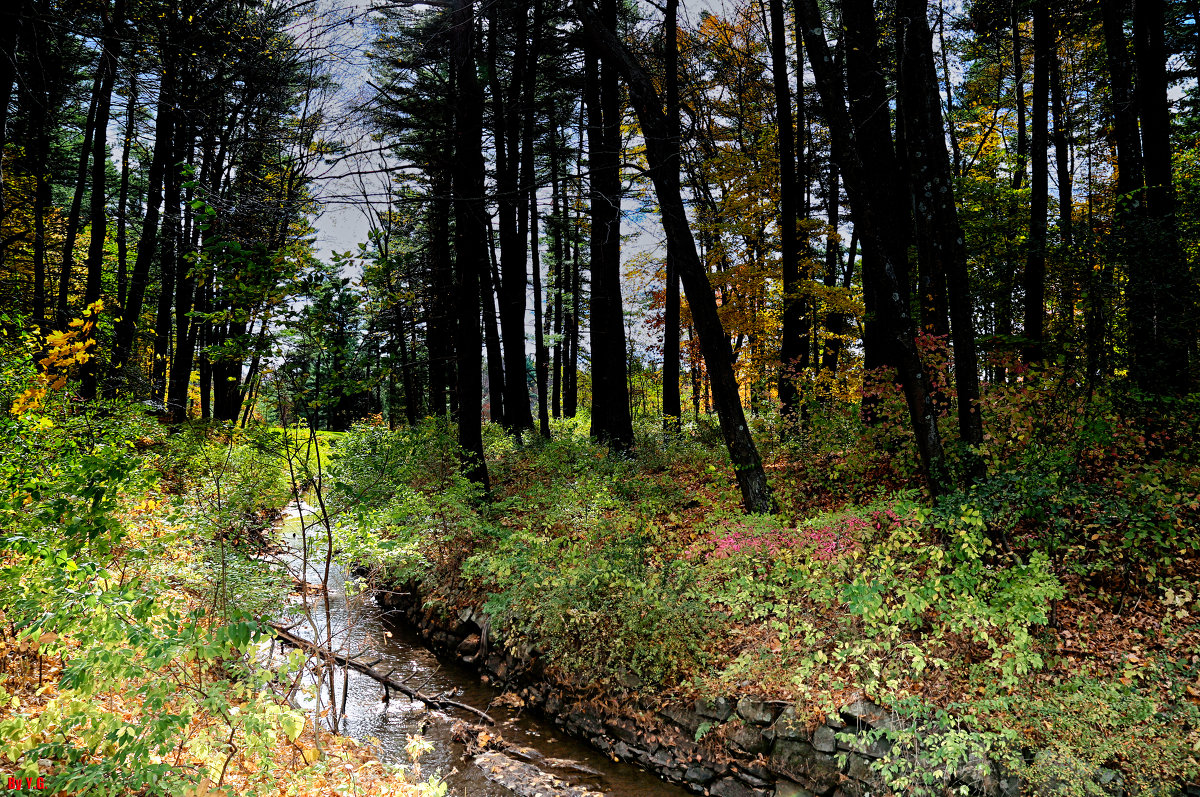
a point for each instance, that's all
(671, 409)
(794, 332)
(752, 479)
(131, 310)
(1039, 186)
(1162, 294)
(612, 423)
(937, 214)
(470, 237)
(110, 44)
(877, 213)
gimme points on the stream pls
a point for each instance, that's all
(361, 626)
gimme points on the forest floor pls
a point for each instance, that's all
(132, 618)
(1052, 609)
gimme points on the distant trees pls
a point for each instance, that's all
(211, 182)
(842, 188)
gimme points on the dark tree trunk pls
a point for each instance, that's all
(611, 420)
(1062, 162)
(530, 213)
(671, 409)
(860, 147)
(752, 479)
(440, 324)
(559, 215)
(131, 311)
(123, 197)
(937, 215)
(1039, 186)
(571, 321)
(110, 44)
(167, 256)
(794, 331)
(885, 239)
(541, 368)
(1162, 294)
(491, 336)
(470, 236)
(955, 151)
(510, 212)
(67, 267)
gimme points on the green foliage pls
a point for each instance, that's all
(597, 606)
(406, 504)
(144, 675)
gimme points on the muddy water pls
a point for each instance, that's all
(360, 626)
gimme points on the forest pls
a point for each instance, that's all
(769, 398)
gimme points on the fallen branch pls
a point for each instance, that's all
(435, 701)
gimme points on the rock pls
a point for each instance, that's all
(864, 713)
(749, 738)
(867, 743)
(1113, 782)
(468, 646)
(698, 774)
(786, 788)
(757, 712)
(730, 787)
(719, 708)
(627, 753)
(586, 724)
(623, 731)
(824, 739)
(789, 726)
(524, 779)
(802, 759)
(662, 758)
(750, 779)
(682, 716)
(859, 768)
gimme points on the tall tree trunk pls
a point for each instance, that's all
(1129, 209)
(860, 149)
(131, 310)
(470, 236)
(510, 213)
(752, 479)
(1062, 162)
(571, 322)
(110, 44)
(611, 420)
(1035, 253)
(440, 325)
(793, 332)
(528, 118)
(559, 215)
(73, 215)
(123, 196)
(541, 368)
(671, 409)
(885, 240)
(955, 151)
(1158, 278)
(169, 244)
(491, 335)
(933, 185)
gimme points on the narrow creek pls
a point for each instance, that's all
(360, 626)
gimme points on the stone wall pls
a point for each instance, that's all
(751, 747)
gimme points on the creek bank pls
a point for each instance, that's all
(736, 746)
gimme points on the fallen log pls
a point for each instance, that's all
(435, 701)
